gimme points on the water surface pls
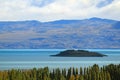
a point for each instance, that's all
(30, 58)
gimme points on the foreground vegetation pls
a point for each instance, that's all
(109, 72)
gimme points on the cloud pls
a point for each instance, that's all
(48, 10)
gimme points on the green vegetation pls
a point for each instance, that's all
(79, 53)
(109, 72)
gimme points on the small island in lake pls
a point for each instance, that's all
(78, 53)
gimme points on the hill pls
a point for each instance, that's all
(87, 33)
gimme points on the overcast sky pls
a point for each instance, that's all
(49, 10)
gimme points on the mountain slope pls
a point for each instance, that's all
(87, 33)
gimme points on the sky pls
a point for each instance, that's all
(50, 10)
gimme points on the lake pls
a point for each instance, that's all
(30, 58)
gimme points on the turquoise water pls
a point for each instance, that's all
(30, 58)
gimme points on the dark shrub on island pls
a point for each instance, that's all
(79, 53)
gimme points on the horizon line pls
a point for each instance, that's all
(55, 20)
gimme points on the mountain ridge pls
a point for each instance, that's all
(87, 33)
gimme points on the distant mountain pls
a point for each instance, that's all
(87, 33)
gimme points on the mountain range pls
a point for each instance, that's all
(60, 34)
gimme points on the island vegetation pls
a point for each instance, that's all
(79, 53)
(109, 72)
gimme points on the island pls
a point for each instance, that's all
(78, 53)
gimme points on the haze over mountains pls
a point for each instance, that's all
(87, 33)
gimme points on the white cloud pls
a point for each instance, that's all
(57, 9)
